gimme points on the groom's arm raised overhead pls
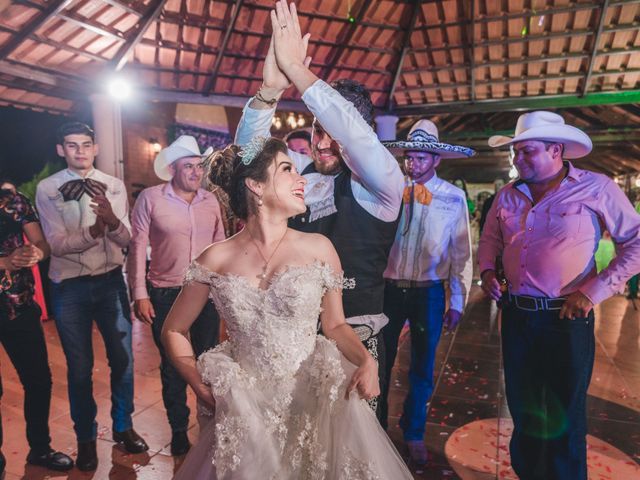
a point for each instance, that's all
(370, 162)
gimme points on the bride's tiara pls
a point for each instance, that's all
(252, 149)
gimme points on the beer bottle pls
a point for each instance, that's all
(502, 280)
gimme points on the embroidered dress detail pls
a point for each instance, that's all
(280, 388)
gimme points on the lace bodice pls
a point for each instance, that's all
(272, 330)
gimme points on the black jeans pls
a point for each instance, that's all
(23, 340)
(204, 335)
(547, 365)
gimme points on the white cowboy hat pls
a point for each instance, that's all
(184, 146)
(424, 136)
(550, 127)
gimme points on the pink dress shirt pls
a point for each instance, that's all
(548, 248)
(177, 232)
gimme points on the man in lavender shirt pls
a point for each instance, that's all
(178, 219)
(546, 226)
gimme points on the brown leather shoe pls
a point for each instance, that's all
(87, 459)
(132, 442)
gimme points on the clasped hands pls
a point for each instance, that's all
(25, 257)
(287, 51)
(105, 218)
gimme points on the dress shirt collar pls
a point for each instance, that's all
(75, 175)
(431, 183)
(572, 173)
(168, 191)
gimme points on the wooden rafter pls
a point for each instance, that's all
(471, 36)
(120, 58)
(406, 42)
(93, 26)
(594, 50)
(343, 39)
(211, 81)
(55, 7)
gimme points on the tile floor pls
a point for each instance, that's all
(466, 406)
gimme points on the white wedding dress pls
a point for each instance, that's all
(281, 411)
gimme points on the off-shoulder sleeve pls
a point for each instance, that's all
(335, 281)
(198, 273)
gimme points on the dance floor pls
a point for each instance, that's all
(464, 435)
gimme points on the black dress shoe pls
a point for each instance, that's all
(133, 443)
(179, 443)
(52, 460)
(87, 456)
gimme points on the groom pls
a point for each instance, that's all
(354, 185)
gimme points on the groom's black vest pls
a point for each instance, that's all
(362, 242)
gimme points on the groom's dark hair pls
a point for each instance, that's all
(358, 95)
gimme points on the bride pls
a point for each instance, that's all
(288, 403)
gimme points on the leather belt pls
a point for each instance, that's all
(101, 276)
(534, 304)
(413, 283)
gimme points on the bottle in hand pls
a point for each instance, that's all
(502, 280)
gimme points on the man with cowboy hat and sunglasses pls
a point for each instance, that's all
(178, 219)
(432, 245)
(546, 226)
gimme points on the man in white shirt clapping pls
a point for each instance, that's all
(432, 246)
(85, 218)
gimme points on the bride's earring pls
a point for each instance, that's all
(259, 200)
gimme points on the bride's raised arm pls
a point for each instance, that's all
(334, 326)
(175, 337)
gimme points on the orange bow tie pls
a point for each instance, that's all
(418, 193)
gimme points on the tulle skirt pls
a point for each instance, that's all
(294, 428)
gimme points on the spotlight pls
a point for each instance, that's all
(119, 89)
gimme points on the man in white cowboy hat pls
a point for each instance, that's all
(178, 219)
(546, 226)
(432, 245)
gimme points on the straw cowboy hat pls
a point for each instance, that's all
(184, 146)
(550, 127)
(423, 136)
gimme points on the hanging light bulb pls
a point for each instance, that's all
(278, 123)
(301, 121)
(513, 172)
(291, 120)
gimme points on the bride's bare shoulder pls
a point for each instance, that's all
(317, 246)
(217, 254)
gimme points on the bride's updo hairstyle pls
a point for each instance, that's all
(230, 167)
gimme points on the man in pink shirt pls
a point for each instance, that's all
(178, 219)
(546, 226)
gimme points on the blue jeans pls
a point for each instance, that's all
(204, 335)
(77, 302)
(424, 308)
(547, 367)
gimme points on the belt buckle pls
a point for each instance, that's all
(535, 302)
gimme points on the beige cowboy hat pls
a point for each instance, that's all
(549, 127)
(184, 146)
(423, 136)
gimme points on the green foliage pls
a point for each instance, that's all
(28, 189)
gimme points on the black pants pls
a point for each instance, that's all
(23, 340)
(204, 335)
(547, 368)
